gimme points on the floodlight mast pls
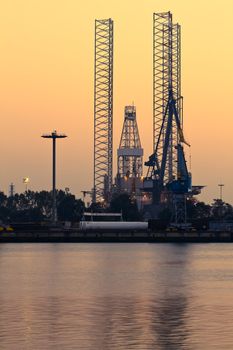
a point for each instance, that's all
(54, 135)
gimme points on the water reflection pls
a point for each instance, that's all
(169, 313)
(170, 323)
(102, 323)
(114, 297)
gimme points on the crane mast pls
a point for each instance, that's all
(167, 179)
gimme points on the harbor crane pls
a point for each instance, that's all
(168, 180)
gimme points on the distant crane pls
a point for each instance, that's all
(168, 179)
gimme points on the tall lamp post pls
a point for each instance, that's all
(54, 136)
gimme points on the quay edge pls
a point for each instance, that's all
(58, 235)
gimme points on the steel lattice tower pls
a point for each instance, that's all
(103, 110)
(130, 152)
(166, 79)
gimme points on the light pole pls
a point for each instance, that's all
(26, 182)
(54, 135)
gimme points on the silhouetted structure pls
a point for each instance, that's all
(220, 190)
(54, 135)
(129, 155)
(103, 110)
(166, 86)
(11, 190)
(168, 180)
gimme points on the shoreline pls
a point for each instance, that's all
(116, 237)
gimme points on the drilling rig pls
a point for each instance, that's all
(129, 156)
(168, 182)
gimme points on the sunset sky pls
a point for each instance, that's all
(46, 83)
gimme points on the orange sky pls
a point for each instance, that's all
(46, 83)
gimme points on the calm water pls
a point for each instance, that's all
(116, 296)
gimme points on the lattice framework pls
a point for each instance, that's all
(166, 78)
(103, 110)
(130, 152)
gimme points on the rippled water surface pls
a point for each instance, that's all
(116, 296)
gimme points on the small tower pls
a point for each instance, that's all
(11, 190)
(129, 155)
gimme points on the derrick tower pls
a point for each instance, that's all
(103, 110)
(129, 153)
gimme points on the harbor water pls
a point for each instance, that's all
(116, 296)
